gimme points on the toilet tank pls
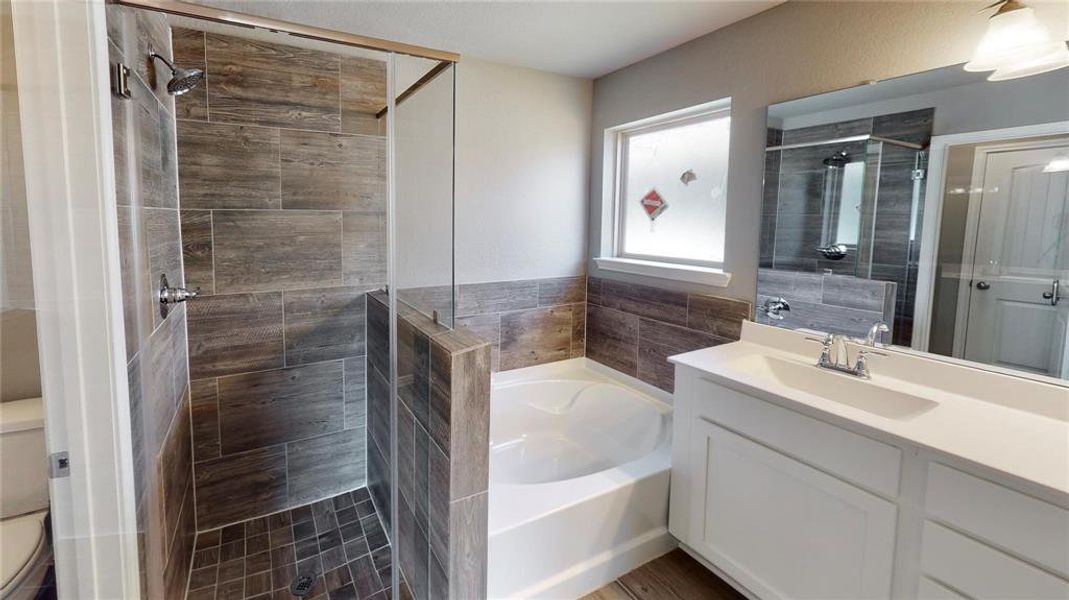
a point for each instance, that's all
(23, 458)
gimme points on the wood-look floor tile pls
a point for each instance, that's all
(228, 166)
(676, 576)
(333, 172)
(254, 81)
(613, 591)
(276, 250)
(272, 407)
(235, 333)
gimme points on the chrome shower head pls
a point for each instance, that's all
(837, 160)
(182, 80)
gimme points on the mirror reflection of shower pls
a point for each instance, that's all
(842, 197)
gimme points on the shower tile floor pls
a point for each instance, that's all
(339, 542)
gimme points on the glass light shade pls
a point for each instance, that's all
(1056, 57)
(1012, 38)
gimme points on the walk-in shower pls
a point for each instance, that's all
(281, 420)
(830, 197)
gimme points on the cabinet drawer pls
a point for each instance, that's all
(981, 571)
(1032, 528)
(861, 460)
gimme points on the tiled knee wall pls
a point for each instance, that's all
(634, 328)
(527, 322)
(443, 429)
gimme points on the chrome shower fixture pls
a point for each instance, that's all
(182, 80)
(837, 160)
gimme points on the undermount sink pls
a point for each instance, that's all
(845, 389)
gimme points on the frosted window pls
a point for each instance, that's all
(850, 204)
(684, 167)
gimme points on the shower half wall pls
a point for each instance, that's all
(282, 178)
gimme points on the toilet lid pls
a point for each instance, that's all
(20, 538)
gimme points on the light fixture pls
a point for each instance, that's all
(1016, 45)
(1058, 164)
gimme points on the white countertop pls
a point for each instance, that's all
(1013, 425)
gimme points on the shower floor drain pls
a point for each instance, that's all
(302, 584)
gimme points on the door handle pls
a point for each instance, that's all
(983, 285)
(1053, 294)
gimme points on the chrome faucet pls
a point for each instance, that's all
(841, 361)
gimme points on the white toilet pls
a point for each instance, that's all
(25, 553)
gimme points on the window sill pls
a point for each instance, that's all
(662, 270)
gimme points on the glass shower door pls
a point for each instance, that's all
(420, 299)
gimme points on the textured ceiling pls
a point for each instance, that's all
(583, 38)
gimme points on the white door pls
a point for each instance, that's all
(784, 529)
(1015, 317)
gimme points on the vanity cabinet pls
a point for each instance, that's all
(790, 505)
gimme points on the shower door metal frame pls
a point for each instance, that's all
(207, 13)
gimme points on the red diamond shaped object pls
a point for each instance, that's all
(653, 204)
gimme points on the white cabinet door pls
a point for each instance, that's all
(782, 528)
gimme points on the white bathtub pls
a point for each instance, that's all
(579, 465)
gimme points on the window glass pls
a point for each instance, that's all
(673, 190)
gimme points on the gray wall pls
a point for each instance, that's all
(796, 49)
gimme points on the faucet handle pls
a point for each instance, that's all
(879, 327)
(826, 340)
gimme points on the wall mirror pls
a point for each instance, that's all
(937, 203)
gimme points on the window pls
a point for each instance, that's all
(669, 191)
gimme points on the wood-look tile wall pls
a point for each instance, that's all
(281, 170)
(825, 302)
(150, 245)
(634, 328)
(527, 322)
(443, 429)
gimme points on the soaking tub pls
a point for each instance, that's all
(579, 465)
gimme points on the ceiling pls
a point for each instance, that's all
(578, 38)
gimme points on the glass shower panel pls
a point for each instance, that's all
(421, 299)
(423, 162)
